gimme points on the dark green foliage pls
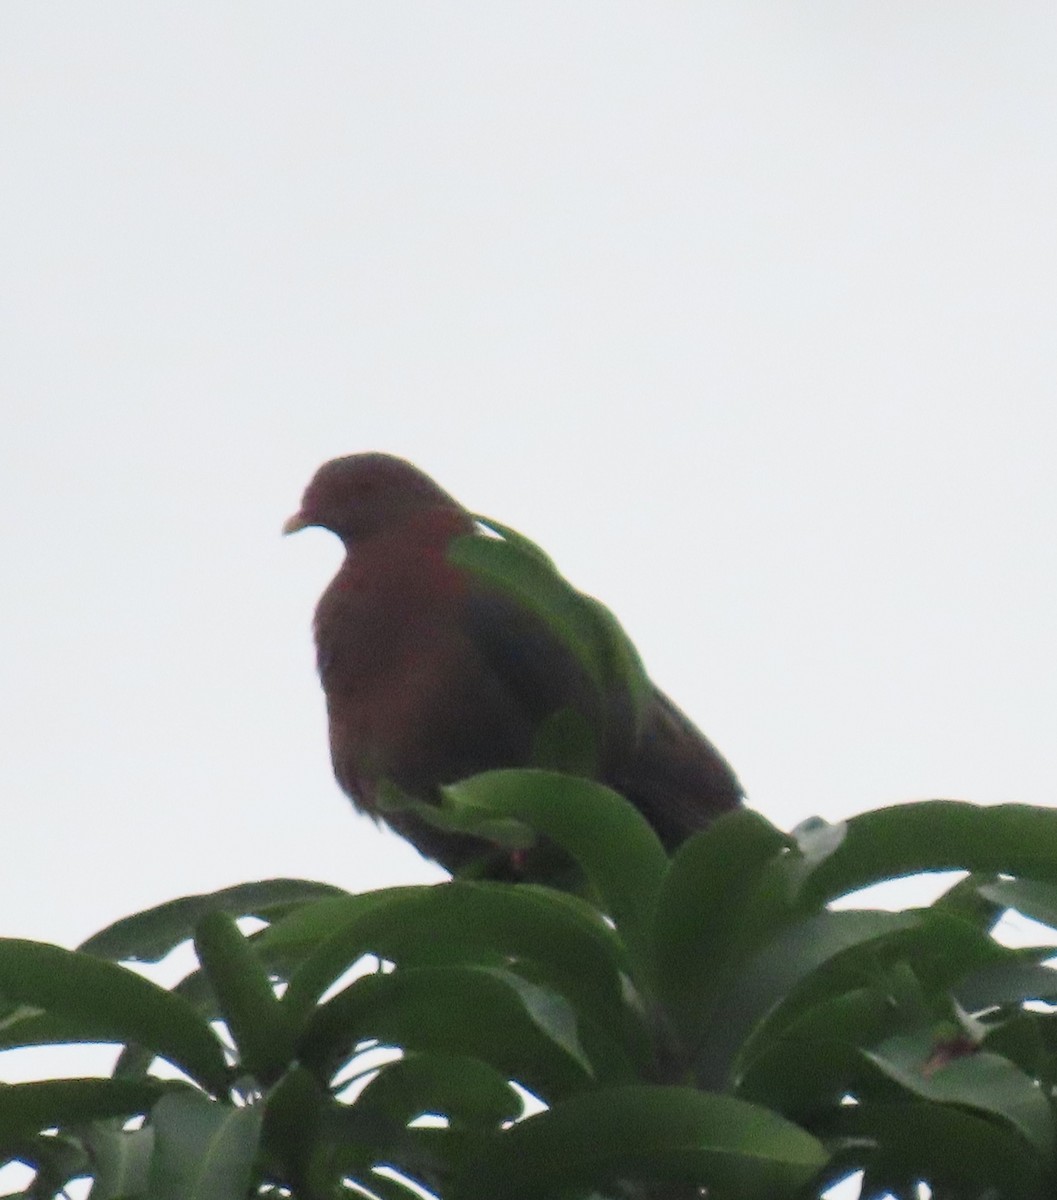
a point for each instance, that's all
(706, 1021)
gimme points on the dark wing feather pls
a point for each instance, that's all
(677, 779)
(541, 673)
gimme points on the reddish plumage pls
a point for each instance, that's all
(430, 675)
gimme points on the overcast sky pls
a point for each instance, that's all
(744, 310)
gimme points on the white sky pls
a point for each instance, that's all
(744, 310)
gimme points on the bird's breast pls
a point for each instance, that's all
(386, 642)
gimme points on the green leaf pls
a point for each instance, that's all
(619, 853)
(491, 923)
(941, 946)
(937, 835)
(355, 1140)
(203, 1150)
(943, 1146)
(301, 933)
(31, 1107)
(134, 1061)
(25, 1025)
(815, 1062)
(293, 1113)
(1028, 896)
(1008, 982)
(757, 990)
(460, 1010)
(253, 1014)
(111, 1003)
(709, 883)
(56, 1159)
(965, 900)
(466, 1090)
(550, 1012)
(1020, 1038)
(645, 1132)
(855, 1001)
(979, 1080)
(120, 1159)
(150, 935)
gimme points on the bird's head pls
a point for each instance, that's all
(362, 495)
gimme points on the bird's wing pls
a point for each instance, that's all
(678, 779)
(540, 672)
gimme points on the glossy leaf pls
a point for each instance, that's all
(461, 1010)
(964, 899)
(710, 880)
(1021, 1038)
(301, 934)
(45, 1104)
(645, 1132)
(253, 1014)
(57, 1159)
(120, 1159)
(466, 1090)
(1007, 982)
(940, 945)
(461, 922)
(937, 835)
(772, 974)
(1028, 896)
(943, 947)
(25, 1025)
(203, 1150)
(294, 1111)
(619, 853)
(815, 1062)
(111, 1002)
(150, 935)
(945, 1147)
(977, 1080)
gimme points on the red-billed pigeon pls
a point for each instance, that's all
(433, 674)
